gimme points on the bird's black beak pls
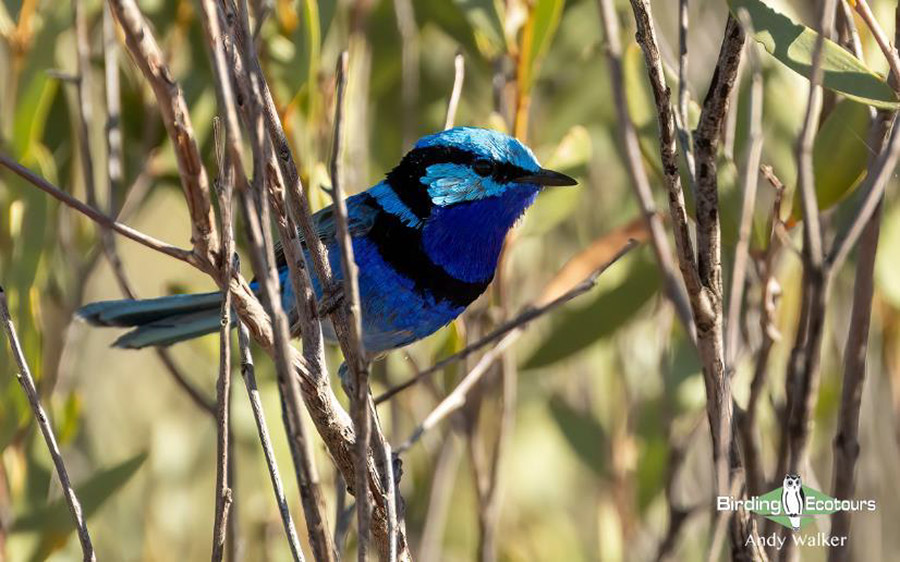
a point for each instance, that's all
(547, 177)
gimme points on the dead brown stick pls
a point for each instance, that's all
(890, 53)
(702, 276)
(459, 76)
(709, 248)
(639, 182)
(223, 494)
(146, 54)
(815, 274)
(526, 315)
(846, 441)
(228, 78)
(357, 366)
(749, 180)
(40, 415)
(771, 292)
(646, 38)
(457, 398)
(802, 378)
(685, 138)
(331, 420)
(97, 216)
(248, 372)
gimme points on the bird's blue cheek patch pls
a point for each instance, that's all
(455, 183)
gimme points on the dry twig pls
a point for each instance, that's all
(149, 58)
(526, 315)
(457, 398)
(459, 75)
(223, 495)
(750, 180)
(846, 440)
(40, 415)
(639, 181)
(97, 216)
(248, 372)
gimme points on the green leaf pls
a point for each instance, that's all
(651, 471)
(573, 152)
(843, 134)
(583, 433)
(485, 24)
(886, 278)
(54, 518)
(68, 418)
(793, 45)
(543, 20)
(577, 329)
(450, 19)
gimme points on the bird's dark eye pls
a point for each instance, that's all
(483, 167)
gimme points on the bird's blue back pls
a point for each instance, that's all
(427, 239)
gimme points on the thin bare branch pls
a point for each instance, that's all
(526, 315)
(85, 112)
(40, 415)
(803, 373)
(114, 156)
(147, 55)
(229, 76)
(459, 75)
(357, 366)
(815, 276)
(750, 180)
(457, 398)
(873, 186)
(771, 292)
(100, 218)
(248, 372)
(635, 166)
(115, 170)
(805, 179)
(846, 441)
(445, 470)
(329, 417)
(709, 248)
(225, 191)
(646, 38)
(865, 13)
(685, 138)
(196, 396)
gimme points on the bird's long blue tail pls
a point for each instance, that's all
(160, 321)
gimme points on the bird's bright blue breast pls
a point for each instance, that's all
(465, 239)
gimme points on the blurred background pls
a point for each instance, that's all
(608, 387)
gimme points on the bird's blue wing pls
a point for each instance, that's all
(361, 214)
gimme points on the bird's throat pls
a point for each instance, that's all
(465, 239)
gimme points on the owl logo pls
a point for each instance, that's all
(793, 499)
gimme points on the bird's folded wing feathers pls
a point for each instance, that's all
(361, 213)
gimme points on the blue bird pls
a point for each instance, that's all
(426, 240)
